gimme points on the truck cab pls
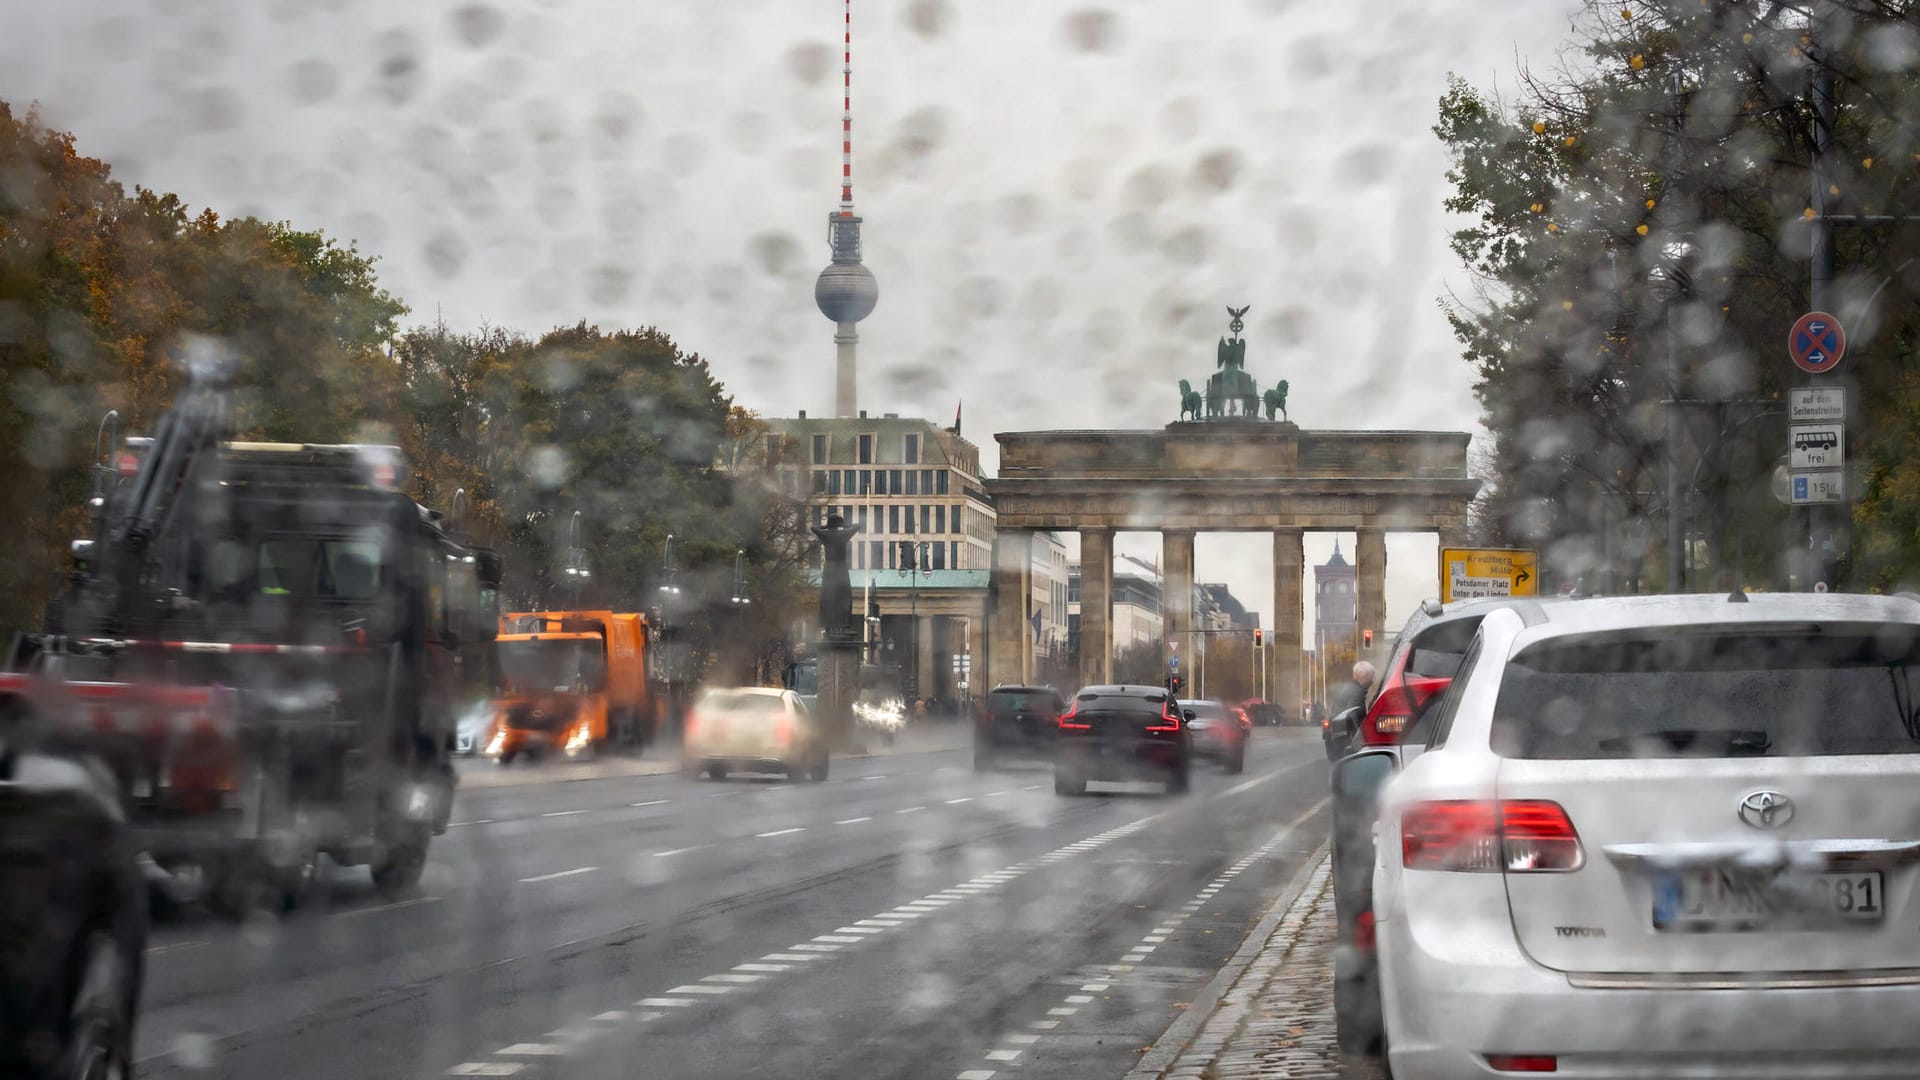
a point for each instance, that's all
(571, 683)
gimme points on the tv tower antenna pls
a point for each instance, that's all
(846, 290)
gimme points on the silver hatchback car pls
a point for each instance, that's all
(1658, 837)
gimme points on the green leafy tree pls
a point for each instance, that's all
(1658, 189)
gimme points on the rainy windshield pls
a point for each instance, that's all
(421, 421)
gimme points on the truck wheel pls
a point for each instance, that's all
(400, 870)
(818, 774)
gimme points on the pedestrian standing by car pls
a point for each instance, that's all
(1353, 695)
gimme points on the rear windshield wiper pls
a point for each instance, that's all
(1715, 742)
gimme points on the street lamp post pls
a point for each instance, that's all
(576, 571)
(667, 593)
(740, 603)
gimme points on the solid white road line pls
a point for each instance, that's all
(561, 874)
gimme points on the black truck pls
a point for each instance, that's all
(268, 645)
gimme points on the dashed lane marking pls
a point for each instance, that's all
(1004, 1055)
(395, 906)
(664, 1003)
(731, 977)
(677, 851)
(910, 810)
(956, 802)
(853, 821)
(177, 946)
(780, 832)
(652, 802)
(976, 1074)
(476, 821)
(530, 1050)
(787, 956)
(762, 967)
(696, 988)
(561, 874)
(562, 813)
(486, 1068)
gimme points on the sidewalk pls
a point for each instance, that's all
(1273, 1014)
(477, 773)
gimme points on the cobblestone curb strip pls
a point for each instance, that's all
(1194, 1039)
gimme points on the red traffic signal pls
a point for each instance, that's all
(1366, 638)
(1258, 637)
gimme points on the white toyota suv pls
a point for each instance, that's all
(1662, 837)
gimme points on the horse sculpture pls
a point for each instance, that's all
(1276, 399)
(1190, 404)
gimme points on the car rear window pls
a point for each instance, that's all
(1809, 690)
(744, 704)
(1438, 650)
(1008, 702)
(1207, 708)
(1123, 703)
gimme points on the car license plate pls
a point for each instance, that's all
(1726, 899)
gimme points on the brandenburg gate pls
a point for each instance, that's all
(1222, 468)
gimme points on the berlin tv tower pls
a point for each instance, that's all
(845, 290)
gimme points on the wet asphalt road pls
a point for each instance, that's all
(908, 918)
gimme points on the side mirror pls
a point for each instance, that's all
(1359, 777)
(1188, 713)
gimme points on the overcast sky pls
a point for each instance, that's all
(1060, 198)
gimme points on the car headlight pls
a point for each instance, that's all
(578, 740)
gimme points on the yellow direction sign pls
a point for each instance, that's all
(1476, 573)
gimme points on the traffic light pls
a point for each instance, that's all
(1258, 637)
(1366, 638)
(1173, 683)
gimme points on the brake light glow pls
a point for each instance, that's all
(783, 729)
(1363, 931)
(1474, 836)
(1171, 718)
(1068, 721)
(1527, 1063)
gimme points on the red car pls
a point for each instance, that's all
(1421, 666)
(1220, 733)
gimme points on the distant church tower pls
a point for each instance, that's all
(846, 290)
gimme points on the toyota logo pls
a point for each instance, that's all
(1766, 810)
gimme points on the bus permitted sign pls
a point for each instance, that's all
(1478, 573)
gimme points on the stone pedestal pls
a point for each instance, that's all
(839, 689)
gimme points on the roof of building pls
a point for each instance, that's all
(939, 445)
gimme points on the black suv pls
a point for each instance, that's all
(1123, 733)
(1016, 721)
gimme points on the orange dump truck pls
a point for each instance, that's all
(570, 682)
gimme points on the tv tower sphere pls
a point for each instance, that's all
(846, 291)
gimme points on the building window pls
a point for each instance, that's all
(926, 481)
(874, 556)
(940, 519)
(820, 449)
(893, 481)
(953, 519)
(880, 482)
(860, 556)
(893, 556)
(913, 482)
(938, 554)
(848, 482)
(926, 519)
(866, 481)
(860, 517)
(953, 557)
(909, 517)
(773, 449)
(941, 479)
(893, 519)
(866, 449)
(819, 482)
(910, 448)
(833, 481)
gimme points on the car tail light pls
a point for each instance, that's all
(1069, 721)
(1517, 836)
(1394, 710)
(783, 729)
(1363, 932)
(1170, 720)
(1245, 720)
(1523, 1063)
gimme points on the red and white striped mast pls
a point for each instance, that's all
(845, 291)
